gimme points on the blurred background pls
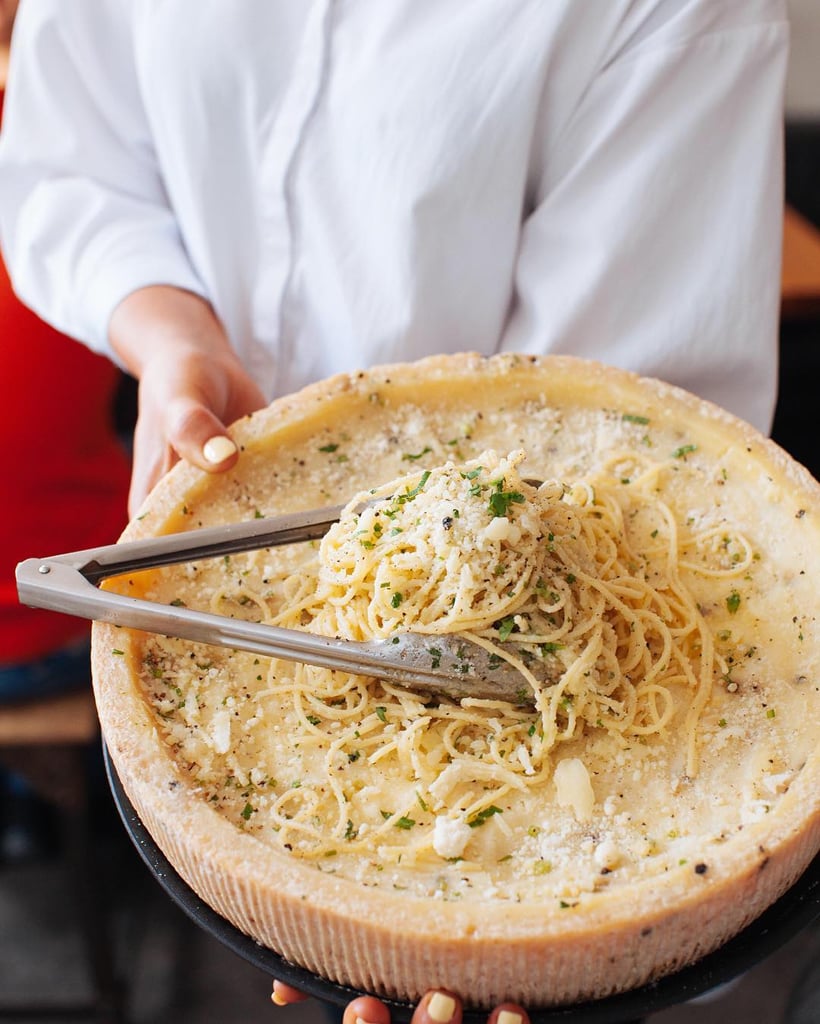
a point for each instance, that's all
(87, 934)
(796, 424)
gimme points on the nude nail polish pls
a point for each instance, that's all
(218, 449)
(441, 1008)
(508, 1017)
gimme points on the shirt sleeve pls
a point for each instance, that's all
(84, 217)
(654, 236)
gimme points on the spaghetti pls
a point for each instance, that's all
(582, 587)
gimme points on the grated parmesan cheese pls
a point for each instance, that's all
(573, 787)
(450, 836)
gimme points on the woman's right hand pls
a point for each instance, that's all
(191, 384)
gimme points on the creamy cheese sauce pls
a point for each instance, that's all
(609, 812)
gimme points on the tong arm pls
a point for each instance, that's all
(97, 564)
(444, 664)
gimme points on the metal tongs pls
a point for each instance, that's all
(447, 665)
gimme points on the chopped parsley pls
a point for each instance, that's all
(500, 500)
(733, 602)
(550, 647)
(409, 457)
(483, 815)
(505, 627)
(409, 495)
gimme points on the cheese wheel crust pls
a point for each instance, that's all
(540, 953)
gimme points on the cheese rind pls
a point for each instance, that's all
(557, 909)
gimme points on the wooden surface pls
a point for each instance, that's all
(800, 279)
(69, 718)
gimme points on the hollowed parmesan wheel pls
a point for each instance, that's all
(326, 827)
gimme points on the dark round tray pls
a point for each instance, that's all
(781, 922)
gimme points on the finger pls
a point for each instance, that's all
(143, 479)
(438, 1007)
(509, 1013)
(152, 457)
(284, 995)
(198, 436)
(366, 1010)
(247, 398)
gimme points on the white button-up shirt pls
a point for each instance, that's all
(352, 182)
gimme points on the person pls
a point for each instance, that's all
(66, 473)
(67, 476)
(284, 191)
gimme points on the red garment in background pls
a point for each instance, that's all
(65, 473)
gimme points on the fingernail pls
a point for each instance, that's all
(361, 1020)
(276, 998)
(508, 1017)
(218, 449)
(441, 1007)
